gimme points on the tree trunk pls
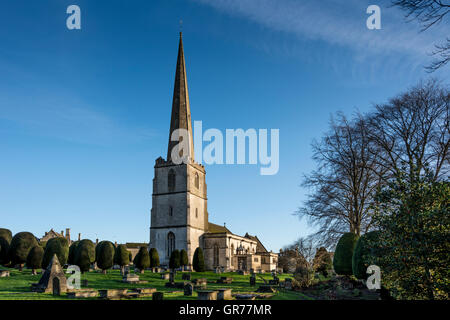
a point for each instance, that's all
(33, 272)
(104, 271)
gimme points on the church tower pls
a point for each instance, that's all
(179, 215)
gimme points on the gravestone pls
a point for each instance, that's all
(4, 273)
(165, 276)
(207, 295)
(217, 270)
(172, 277)
(188, 289)
(157, 295)
(47, 280)
(252, 280)
(200, 281)
(226, 280)
(224, 294)
(245, 297)
(288, 284)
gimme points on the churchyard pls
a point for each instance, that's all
(17, 285)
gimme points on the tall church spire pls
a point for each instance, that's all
(181, 111)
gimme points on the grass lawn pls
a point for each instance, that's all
(17, 286)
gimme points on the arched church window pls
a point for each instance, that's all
(171, 180)
(170, 243)
(216, 255)
(197, 181)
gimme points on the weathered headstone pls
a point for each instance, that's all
(4, 273)
(188, 289)
(172, 276)
(207, 295)
(288, 284)
(252, 280)
(224, 294)
(165, 276)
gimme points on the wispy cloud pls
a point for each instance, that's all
(340, 23)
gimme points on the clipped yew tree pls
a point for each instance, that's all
(184, 261)
(58, 246)
(363, 254)
(71, 256)
(105, 255)
(174, 262)
(154, 258)
(20, 247)
(85, 254)
(342, 260)
(142, 259)
(5, 241)
(121, 256)
(198, 262)
(34, 259)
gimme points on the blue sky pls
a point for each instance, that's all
(85, 113)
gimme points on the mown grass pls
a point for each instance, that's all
(17, 286)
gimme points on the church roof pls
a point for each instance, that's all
(181, 111)
(215, 228)
(259, 246)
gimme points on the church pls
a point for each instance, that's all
(179, 214)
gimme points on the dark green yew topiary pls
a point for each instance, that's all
(72, 248)
(142, 259)
(5, 241)
(174, 261)
(363, 253)
(21, 244)
(342, 261)
(85, 254)
(154, 258)
(198, 262)
(58, 246)
(105, 255)
(184, 261)
(121, 256)
(34, 259)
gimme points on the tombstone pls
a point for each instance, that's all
(112, 293)
(188, 289)
(226, 280)
(47, 281)
(217, 270)
(224, 294)
(200, 281)
(288, 284)
(253, 281)
(186, 276)
(157, 295)
(245, 297)
(84, 283)
(207, 295)
(4, 273)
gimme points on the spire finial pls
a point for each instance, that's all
(181, 27)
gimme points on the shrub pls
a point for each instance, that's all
(142, 259)
(198, 262)
(5, 241)
(121, 256)
(342, 261)
(21, 244)
(58, 246)
(184, 261)
(174, 261)
(154, 258)
(34, 258)
(304, 276)
(105, 255)
(362, 254)
(322, 261)
(85, 254)
(72, 248)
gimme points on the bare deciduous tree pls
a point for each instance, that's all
(429, 13)
(344, 183)
(412, 131)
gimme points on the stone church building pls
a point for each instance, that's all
(179, 214)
